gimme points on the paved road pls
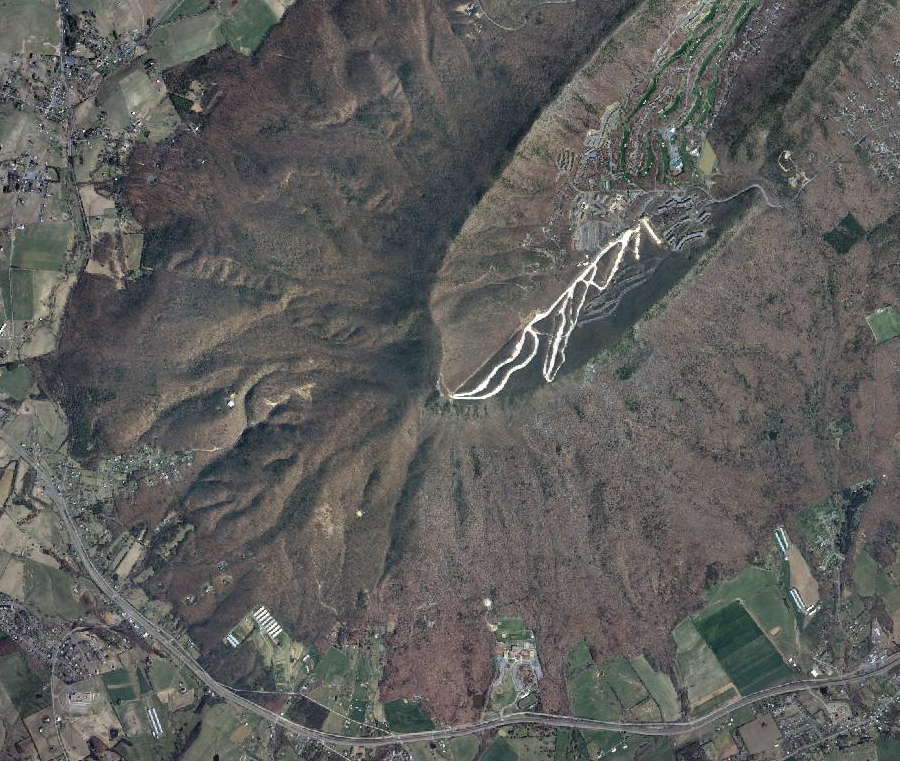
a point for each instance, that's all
(181, 655)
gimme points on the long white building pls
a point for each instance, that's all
(267, 623)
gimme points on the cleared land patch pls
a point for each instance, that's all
(697, 667)
(24, 685)
(885, 324)
(186, 39)
(16, 381)
(407, 716)
(119, 686)
(43, 246)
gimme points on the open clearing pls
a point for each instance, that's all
(43, 246)
(24, 685)
(119, 686)
(865, 572)
(15, 382)
(406, 716)
(186, 39)
(885, 324)
(247, 27)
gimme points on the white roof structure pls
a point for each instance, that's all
(267, 623)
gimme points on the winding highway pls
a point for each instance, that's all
(182, 657)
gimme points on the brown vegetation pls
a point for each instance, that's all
(294, 242)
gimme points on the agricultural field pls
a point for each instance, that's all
(870, 579)
(762, 596)
(865, 572)
(743, 650)
(127, 99)
(464, 747)
(195, 27)
(186, 39)
(589, 695)
(43, 246)
(17, 287)
(223, 734)
(660, 687)
(404, 716)
(164, 674)
(28, 689)
(120, 686)
(184, 8)
(50, 591)
(346, 681)
(698, 670)
(16, 381)
(618, 689)
(500, 749)
(249, 23)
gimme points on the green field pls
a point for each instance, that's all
(218, 722)
(129, 96)
(660, 687)
(163, 674)
(335, 665)
(15, 381)
(620, 688)
(50, 590)
(464, 747)
(512, 629)
(43, 246)
(246, 28)
(624, 682)
(119, 686)
(186, 39)
(563, 741)
(742, 649)
(186, 8)
(406, 716)
(25, 687)
(590, 694)
(17, 287)
(887, 591)
(501, 749)
(865, 572)
(759, 591)
(577, 659)
(888, 748)
(696, 665)
(645, 748)
(885, 324)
